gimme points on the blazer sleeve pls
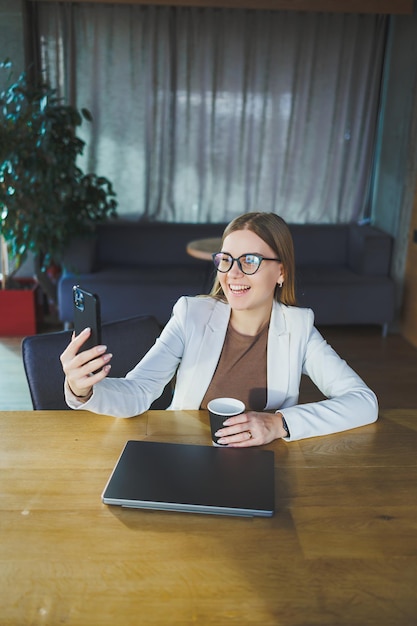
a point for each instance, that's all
(349, 402)
(133, 395)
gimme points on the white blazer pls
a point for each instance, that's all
(190, 346)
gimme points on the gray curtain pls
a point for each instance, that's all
(203, 114)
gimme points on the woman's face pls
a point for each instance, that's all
(255, 291)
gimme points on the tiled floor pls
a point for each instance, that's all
(14, 392)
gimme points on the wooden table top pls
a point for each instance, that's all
(204, 248)
(340, 549)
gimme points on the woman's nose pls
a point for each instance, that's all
(235, 269)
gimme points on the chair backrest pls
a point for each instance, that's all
(127, 339)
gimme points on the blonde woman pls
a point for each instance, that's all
(247, 339)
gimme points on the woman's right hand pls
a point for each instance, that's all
(79, 367)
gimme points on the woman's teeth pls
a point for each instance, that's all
(238, 288)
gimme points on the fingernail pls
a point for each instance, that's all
(101, 349)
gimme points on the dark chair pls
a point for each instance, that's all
(127, 339)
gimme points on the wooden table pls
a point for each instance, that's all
(204, 248)
(340, 549)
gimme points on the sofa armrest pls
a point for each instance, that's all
(369, 250)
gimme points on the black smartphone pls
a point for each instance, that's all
(87, 314)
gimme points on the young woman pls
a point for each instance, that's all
(247, 340)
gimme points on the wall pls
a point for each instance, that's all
(333, 6)
(396, 172)
(409, 309)
(12, 46)
(396, 159)
(11, 33)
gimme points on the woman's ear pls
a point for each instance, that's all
(281, 277)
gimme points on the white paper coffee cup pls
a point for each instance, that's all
(219, 410)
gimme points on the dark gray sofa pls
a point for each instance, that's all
(136, 268)
(343, 273)
(342, 270)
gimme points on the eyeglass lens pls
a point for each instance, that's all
(248, 263)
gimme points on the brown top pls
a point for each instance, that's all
(241, 370)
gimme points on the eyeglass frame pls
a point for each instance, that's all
(239, 264)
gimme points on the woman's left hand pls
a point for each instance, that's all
(251, 429)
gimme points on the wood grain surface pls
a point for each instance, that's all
(340, 549)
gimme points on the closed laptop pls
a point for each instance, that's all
(193, 478)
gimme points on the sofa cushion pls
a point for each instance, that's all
(325, 275)
(361, 302)
(150, 244)
(136, 291)
(320, 244)
(370, 250)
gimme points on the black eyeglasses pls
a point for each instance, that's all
(248, 263)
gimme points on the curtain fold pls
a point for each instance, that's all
(203, 114)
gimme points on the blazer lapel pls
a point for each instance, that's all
(278, 359)
(208, 354)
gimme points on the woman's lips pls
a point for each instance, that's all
(238, 290)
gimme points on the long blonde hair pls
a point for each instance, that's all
(276, 234)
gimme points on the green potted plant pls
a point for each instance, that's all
(46, 200)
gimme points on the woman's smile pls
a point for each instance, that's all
(238, 290)
(250, 292)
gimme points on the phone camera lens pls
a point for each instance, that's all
(79, 300)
